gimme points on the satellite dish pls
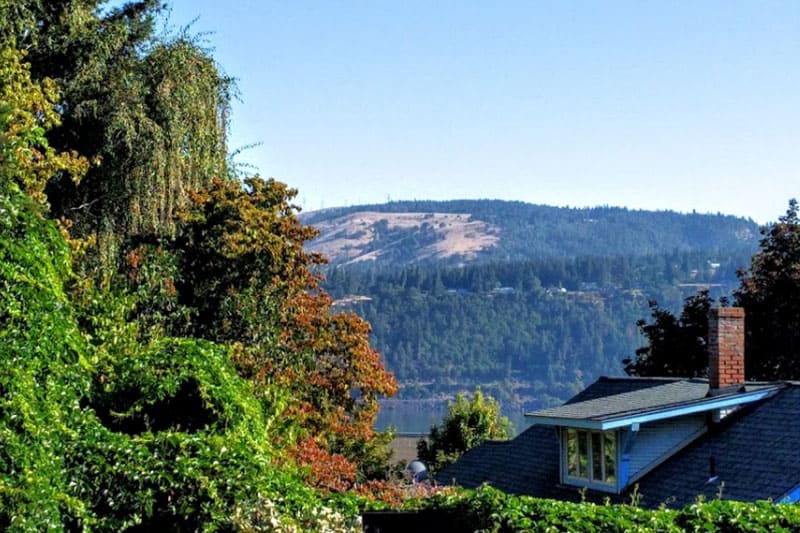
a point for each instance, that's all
(418, 471)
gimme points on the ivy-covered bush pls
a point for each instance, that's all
(44, 371)
(490, 510)
(99, 431)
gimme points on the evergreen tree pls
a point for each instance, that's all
(769, 292)
(676, 346)
(770, 295)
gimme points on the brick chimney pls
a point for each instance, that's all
(725, 347)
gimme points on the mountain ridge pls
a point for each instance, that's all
(457, 232)
(529, 302)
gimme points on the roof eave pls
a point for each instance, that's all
(652, 415)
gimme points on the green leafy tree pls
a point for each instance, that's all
(467, 424)
(27, 111)
(101, 432)
(237, 274)
(150, 113)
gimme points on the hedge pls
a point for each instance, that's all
(491, 510)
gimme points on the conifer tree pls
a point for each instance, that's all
(769, 292)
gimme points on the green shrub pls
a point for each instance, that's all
(467, 424)
(488, 509)
(102, 432)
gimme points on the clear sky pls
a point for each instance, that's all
(655, 105)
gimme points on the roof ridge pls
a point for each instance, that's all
(697, 379)
(501, 441)
(642, 378)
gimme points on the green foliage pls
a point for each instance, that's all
(237, 273)
(44, 370)
(104, 432)
(163, 129)
(27, 111)
(490, 510)
(150, 112)
(241, 253)
(467, 424)
(149, 276)
(720, 515)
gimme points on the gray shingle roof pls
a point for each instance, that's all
(653, 395)
(608, 386)
(614, 405)
(756, 452)
(529, 463)
(525, 464)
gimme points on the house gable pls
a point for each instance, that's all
(633, 431)
(754, 453)
(656, 442)
(673, 440)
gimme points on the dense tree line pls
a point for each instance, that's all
(533, 332)
(644, 272)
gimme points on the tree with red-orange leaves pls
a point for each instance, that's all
(340, 389)
(247, 280)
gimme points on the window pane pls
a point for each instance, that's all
(572, 453)
(610, 450)
(597, 456)
(583, 454)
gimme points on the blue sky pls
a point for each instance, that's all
(655, 105)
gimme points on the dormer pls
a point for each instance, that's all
(618, 429)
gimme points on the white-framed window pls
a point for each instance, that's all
(590, 458)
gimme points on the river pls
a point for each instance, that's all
(417, 416)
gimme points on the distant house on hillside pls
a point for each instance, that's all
(660, 440)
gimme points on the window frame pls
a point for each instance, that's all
(584, 465)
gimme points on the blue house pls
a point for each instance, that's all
(668, 440)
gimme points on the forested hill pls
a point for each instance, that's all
(530, 333)
(477, 231)
(530, 302)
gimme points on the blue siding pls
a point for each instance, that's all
(656, 441)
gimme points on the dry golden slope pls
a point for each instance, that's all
(355, 237)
